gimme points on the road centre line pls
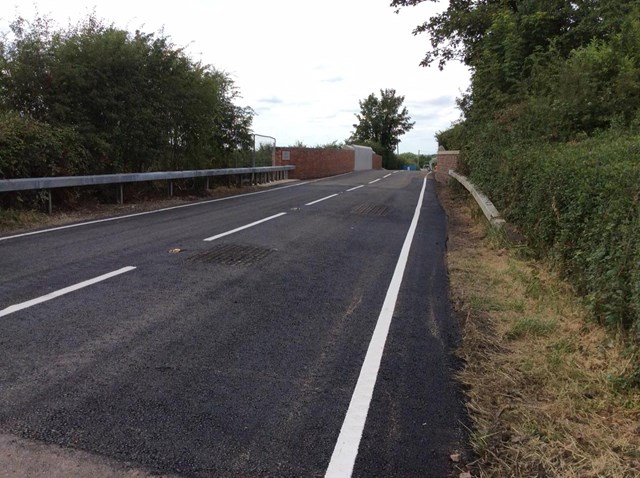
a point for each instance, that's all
(357, 187)
(386, 176)
(346, 448)
(374, 181)
(15, 308)
(242, 228)
(127, 216)
(320, 200)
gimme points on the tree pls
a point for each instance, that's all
(133, 101)
(382, 120)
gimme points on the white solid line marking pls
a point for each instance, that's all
(241, 228)
(357, 187)
(346, 448)
(150, 212)
(374, 181)
(386, 176)
(66, 290)
(320, 200)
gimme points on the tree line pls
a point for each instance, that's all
(550, 129)
(95, 99)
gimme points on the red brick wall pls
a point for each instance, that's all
(377, 161)
(446, 160)
(316, 162)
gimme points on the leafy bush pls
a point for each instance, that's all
(133, 101)
(579, 205)
(31, 148)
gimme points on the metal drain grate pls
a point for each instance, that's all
(370, 210)
(232, 254)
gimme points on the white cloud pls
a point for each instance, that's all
(303, 66)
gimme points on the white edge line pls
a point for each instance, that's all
(357, 187)
(66, 290)
(320, 200)
(69, 226)
(241, 228)
(374, 181)
(346, 448)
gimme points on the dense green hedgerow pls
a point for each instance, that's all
(120, 101)
(579, 205)
(33, 148)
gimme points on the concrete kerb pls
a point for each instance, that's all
(489, 210)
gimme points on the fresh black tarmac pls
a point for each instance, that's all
(237, 357)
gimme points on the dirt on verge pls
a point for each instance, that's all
(28, 459)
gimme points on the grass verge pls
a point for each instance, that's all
(543, 382)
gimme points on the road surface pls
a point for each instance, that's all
(300, 331)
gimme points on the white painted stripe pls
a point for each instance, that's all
(374, 181)
(320, 200)
(357, 187)
(242, 228)
(386, 176)
(346, 448)
(150, 212)
(66, 290)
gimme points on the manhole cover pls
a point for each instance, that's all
(232, 254)
(370, 210)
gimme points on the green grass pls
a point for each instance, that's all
(531, 327)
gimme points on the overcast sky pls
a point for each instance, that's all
(301, 65)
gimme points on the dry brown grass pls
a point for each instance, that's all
(542, 390)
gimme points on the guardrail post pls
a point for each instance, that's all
(170, 188)
(207, 185)
(50, 201)
(120, 194)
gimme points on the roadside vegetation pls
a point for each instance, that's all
(92, 98)
(548, 390)
(550, 131)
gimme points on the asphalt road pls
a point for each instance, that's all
(239, 356)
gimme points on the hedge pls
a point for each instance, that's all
(579, 205)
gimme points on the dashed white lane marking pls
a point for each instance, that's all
(357, 187)
(150, 212)
(242, 228)
(320, 200)
(386, 176)
(66, 290)
(374, 181)
(346, 448)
